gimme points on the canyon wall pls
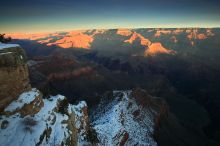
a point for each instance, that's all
(14, 77)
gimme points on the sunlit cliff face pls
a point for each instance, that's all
(124, 32)
(152, 49)
(84, 38)
(159, 32)
(74, 40)
(194, 35)
(135, 36)
(157, 48)
(29, 36)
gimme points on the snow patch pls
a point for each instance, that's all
(5, 53)
(118, 119)
(18, 133)
(4, 46)
(24, 98)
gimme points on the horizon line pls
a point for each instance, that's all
(113, 28)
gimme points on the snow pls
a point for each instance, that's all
(80, 122)
(24, 98)
(77, 108)
(31, 63)
(4, 46)
(118, 119)
(17, 133)
(111, 122)
(5, 53)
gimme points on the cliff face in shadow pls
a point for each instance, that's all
(168, 129)
(135, 117)
(14, 76)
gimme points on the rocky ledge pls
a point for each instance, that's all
(32, 120)
(14, 77)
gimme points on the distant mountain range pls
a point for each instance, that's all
(151, 39)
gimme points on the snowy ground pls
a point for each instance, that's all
(24, 98)
(118, 121)
(27, 131)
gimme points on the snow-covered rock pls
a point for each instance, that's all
(24, 98)
(28, 119)
(48, 126)
(126, 120)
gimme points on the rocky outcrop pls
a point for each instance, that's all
(29, 119)
(37, 121)
(161, 31)
(157, 48)
(32, 104)
(126, 118)
(135, 36)
(167, 129)
(137, 118)
(74, 40)
(152, 49)
(196, 34)
(124, 32)
(14, 77)
(29, 36)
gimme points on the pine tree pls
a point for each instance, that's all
(3, 39)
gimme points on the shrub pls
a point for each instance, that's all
(4, 124)
(48, 90)
(92, 136)
(3, 39)
(29, 123)
(63, 106)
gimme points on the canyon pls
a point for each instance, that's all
(165, 79)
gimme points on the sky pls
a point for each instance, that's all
(30, 16)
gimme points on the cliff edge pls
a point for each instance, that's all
(14, 76)
(26, 117)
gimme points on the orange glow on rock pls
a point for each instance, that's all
(75, 39)
(159, 32)
(157, 48)
(124, 32)
(144, 41)
(201, 36)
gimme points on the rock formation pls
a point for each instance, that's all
(135, 36)
(124, 32)
(157, 48)
(74, 40)
(152, 49)
(128, 118)
(136, 118)
(14, 78)
(27, 118)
